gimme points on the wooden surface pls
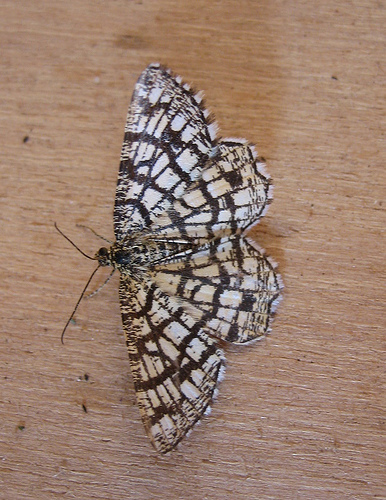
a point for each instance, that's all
(301, 414)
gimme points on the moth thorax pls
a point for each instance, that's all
(129, 257)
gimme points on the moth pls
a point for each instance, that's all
(188, 274)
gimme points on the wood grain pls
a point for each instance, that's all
(299, 415)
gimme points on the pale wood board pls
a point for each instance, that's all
(300, 414)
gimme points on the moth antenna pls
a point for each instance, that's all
(72, 243)
(77, 304)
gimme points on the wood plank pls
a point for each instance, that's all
(299, 415)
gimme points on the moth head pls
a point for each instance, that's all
(103, 257)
